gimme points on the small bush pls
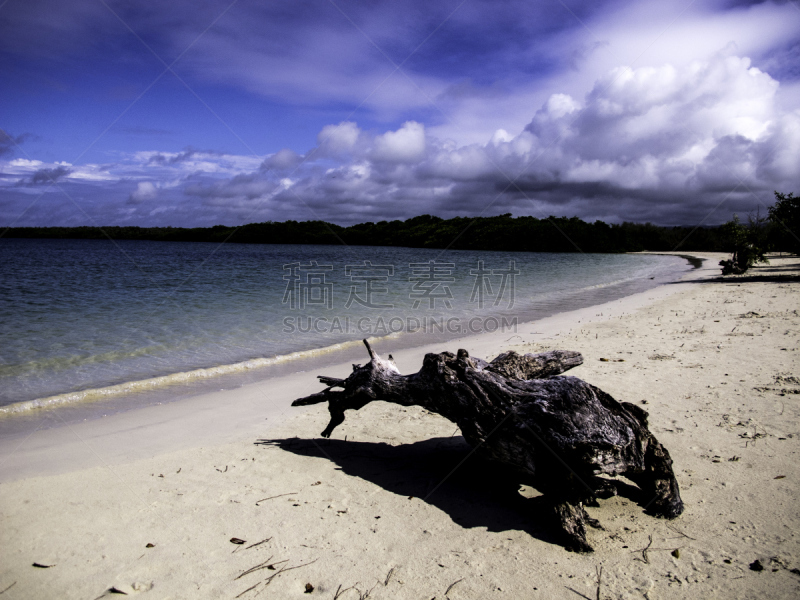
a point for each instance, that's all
(748, 244)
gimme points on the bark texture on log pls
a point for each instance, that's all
(559, 432)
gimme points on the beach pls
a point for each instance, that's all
(156, 501)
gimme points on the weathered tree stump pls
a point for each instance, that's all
(564, 436)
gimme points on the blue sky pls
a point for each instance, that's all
(200, 113)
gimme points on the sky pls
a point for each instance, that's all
(203, 113)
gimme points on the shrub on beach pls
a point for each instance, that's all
(747, 243)
(785, 219)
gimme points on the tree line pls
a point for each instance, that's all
(503, 232)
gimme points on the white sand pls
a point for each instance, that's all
(721, 390)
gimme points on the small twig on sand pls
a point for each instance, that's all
(599, 573)
(298, 566)
(278, 496)
(272, 566)
(256, 568)
(678, 531)
(8, 588)
(365, 595)
(388, 577)
(269, 579)
(258, 543)
(644, 550)
(247, 590)
(340, 591)
(284, 569)
(452, 585)
(599, 580)
(574, 591)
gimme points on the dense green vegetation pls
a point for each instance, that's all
(504, 232)
(556, 234)
(750, 242)
(785, 218)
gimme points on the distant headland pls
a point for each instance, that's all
(503, 232)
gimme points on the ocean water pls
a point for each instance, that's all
(85, 320)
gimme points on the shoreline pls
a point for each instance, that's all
(395, 502)
(138, 393)
(115, 429)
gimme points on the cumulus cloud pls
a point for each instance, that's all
(637, 126)
(282, 160)
(665, 144)
(406, 145)
(145, 191)
(337, 140)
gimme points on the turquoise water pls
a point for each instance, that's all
(77, 316)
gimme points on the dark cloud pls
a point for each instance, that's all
(303, 52)
(47, 176)
(663, 145)
(54, 30)
(247, 187)
(282, 160)
(187, 154)
(9, 143)
(667, 140)
(783, 63)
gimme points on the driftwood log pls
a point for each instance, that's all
(564, 436)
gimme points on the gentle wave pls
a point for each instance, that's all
(129, 387)
(610, 283)
(143, 385)
(61, 363)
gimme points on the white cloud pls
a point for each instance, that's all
(406, 145)
(334, 140)
(653, 32)
(23, 165)
(674, 133)
(664, 143)
(145, 191)
(281, 160)
(632, 34)
(90, 173)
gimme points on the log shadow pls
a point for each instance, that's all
(740, 279)
(762, 273)
(472, 491)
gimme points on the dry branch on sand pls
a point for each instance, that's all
(563, 435)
